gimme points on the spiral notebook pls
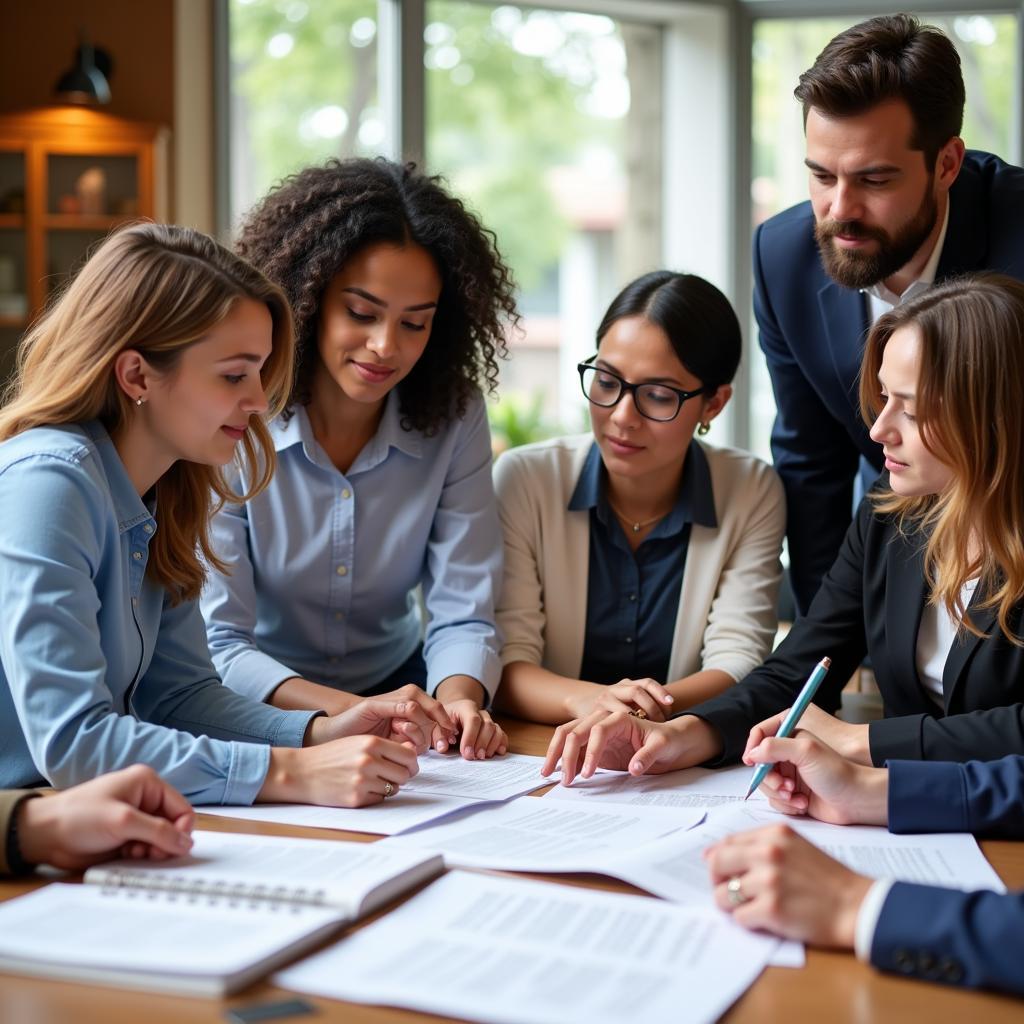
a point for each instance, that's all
(206, 924)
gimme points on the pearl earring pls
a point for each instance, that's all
(703, 429)
(139, 400)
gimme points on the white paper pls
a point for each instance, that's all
(90, 926)
(538, 835)
(952, 860)
(402, 811)
(498, 778)
(689, 787)
(513, 951)
(446, 783)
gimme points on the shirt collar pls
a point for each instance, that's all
(298, 430)
(129, 507)
(923, 283)
(695, 502)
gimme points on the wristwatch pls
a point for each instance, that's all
(16, 863)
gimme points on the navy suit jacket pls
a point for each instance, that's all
(870, 602)
(812, 331)
(960, 938)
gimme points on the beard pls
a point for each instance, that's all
(856, 269)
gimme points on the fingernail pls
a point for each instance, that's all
(481, 754)
(441, 745)
(635, 766)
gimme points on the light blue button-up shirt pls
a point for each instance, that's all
(323, 565)
(97, 670)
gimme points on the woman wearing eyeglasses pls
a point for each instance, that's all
(641, 564)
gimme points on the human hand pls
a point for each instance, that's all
(443, 730)
(787, 886)
(353, 771)
(809, 777)
(849, 740)
(398, 720)
(646, 695)
(623, 742)
(482, 737)
(129, 813)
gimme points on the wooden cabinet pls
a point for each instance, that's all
(68, 176)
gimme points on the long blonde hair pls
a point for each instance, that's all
(970, 408)
(157, 289)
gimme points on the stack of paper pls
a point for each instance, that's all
(445, 784)
(512, 951)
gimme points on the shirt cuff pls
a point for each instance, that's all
(867, 918)
(466, 659)
(247, 772)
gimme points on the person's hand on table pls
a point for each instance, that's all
(402, 720)
(851, 741)
(810, 778)
(480, 737)
(622, 741)
(129, 813)
(771, 879)
(646, 695)
(352, 771)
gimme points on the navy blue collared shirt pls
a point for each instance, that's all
(633, 597)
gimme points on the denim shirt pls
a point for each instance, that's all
(97, 670)
(323, 566)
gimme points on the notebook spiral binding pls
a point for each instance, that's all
(213, 891)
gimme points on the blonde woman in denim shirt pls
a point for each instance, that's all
(153, 370)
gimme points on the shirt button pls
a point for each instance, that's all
(632, 597)
(341, 570)
(629, 639)
(137, 555)
(346, 493)
(148, 528)
(333, 661)
(135, 602)
(338, 616)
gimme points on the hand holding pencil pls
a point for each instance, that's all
(789, 723)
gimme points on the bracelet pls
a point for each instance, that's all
(16, 863)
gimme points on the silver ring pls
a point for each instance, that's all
(388, 789)
(734, 888)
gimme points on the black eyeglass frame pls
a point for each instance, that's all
(625, 388)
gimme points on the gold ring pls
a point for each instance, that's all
(638, 713)
(734, 889)
(388, 790)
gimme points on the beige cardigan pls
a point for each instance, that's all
(726, 618)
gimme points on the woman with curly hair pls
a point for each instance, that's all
(383, 485)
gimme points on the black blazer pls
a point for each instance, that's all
(870, 602)
(812, 331)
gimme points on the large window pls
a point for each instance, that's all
(782, 49)
(303, 84)
(529, 116)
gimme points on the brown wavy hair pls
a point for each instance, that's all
(304, 231)
(971, 416)
(157, 289)
(891, 57)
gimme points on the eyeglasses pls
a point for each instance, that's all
(659, 402)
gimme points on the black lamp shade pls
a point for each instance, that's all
(84, 83)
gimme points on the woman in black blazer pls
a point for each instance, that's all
(930, 579)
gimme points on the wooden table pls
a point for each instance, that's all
(833, 987)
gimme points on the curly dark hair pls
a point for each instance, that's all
(305, 230)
